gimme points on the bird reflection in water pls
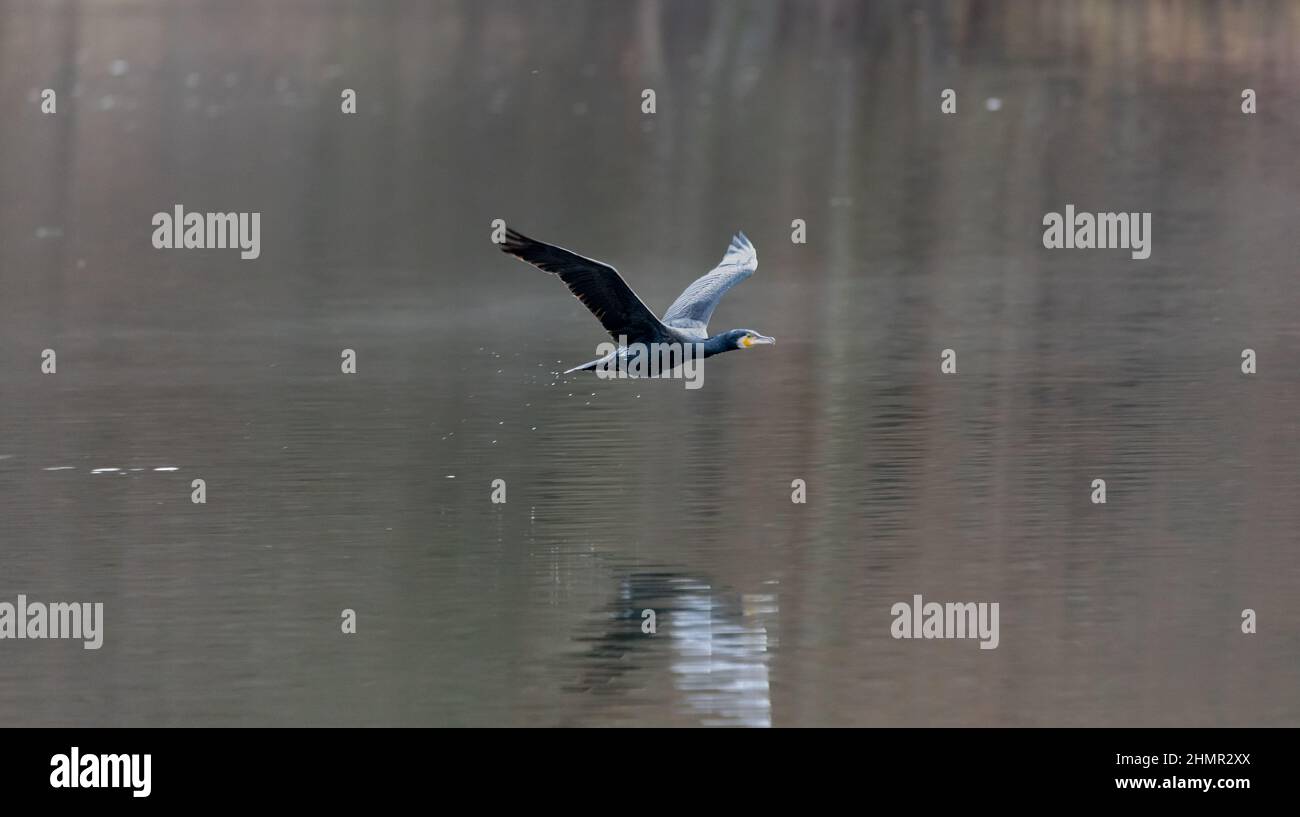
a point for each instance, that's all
(714, 645)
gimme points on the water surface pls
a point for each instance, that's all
(372, 491)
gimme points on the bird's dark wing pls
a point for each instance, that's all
(599, 286)
(693, 307)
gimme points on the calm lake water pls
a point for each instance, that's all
(371, 491)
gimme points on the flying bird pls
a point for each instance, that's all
(626, 317)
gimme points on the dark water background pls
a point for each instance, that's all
(371, 491)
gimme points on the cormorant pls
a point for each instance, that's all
(627, 319)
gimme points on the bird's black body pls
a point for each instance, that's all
(626, 317)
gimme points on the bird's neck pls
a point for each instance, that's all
(716, 345)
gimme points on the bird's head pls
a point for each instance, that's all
(745, 338)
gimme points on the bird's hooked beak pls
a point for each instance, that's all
(756, 340)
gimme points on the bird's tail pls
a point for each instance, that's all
(586, 366)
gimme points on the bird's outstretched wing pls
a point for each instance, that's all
(599, 286)
(693, 307)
